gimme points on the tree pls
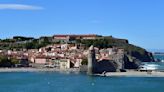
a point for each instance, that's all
(84, 61)
(5, 62)
(14, 61)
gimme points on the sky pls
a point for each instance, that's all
(139, 21)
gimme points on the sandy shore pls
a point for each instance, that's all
(135, 74)
(36, 70)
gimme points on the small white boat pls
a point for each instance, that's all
(162, 60)
(147, 67)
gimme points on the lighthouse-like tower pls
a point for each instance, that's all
(91, 60)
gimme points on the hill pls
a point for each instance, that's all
(134, 54)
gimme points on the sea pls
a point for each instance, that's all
(76, 82)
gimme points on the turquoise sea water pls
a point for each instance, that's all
(61, 82)
(71, 82)
(160, 64)
(161, 57)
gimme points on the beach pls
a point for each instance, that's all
(37, 70)
(133, 74)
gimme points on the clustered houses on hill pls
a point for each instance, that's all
(69, 55)
(66, 51)
(62, 56)
(58, 54)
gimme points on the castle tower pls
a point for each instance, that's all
(91, 60)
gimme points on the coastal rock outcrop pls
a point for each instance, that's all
(134, 55)
(106, 65)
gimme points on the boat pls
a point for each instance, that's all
(162, 60)
(148, 67)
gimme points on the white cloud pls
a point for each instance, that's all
(19, 7)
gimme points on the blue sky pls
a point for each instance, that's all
(139, 21)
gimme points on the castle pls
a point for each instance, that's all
(104, 65)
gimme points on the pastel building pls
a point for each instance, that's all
(65, 64)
